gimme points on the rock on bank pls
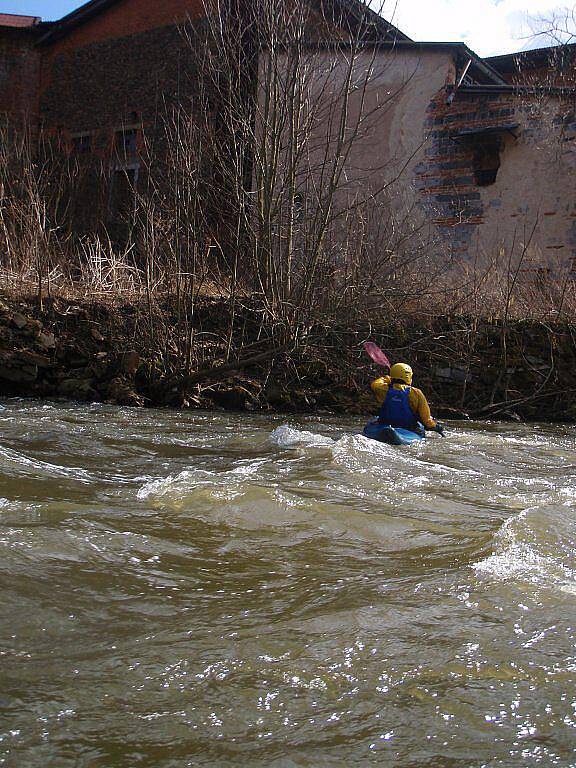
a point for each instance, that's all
(100, 352)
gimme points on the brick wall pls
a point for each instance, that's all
(128, 18)
(19, 74)
(105, 86)
(128, 65)
(123, 67)
(98, 85)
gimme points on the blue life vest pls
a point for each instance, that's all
(396, 410)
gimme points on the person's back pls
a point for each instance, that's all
(401, 404)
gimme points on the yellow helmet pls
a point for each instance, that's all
(401, 371)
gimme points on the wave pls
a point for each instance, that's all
(21, 464)
(350, 485)
(535, 547)
(286, 436)
(249, 497)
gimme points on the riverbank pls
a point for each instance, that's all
(125, 354)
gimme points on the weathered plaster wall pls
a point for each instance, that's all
(389, 103)
(392, 141)
(529, 211)
(130, 62)
(386, 110)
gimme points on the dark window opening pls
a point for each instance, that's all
(122, 203)
(126, 143)
(298, 206)
(82, 144)
(486, 159)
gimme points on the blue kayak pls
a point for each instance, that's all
(385, 433)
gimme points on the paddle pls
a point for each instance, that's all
(374, 351)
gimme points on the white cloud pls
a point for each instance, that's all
(489, 27)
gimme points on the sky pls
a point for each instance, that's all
(489, 27)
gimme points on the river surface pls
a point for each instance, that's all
(196, 589)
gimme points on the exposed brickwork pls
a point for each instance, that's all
(122, 67)
(130, 63)
(127, 66)
(445, 178)
(546, 66)
(19, 74)
(99, 85)
(452, 196)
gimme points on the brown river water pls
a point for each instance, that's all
(199, 589)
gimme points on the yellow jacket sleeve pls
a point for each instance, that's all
(420, 406)
(380, 388)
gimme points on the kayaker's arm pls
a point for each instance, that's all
(380, 388)
(420, 406)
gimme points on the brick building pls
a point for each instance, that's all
(105, 78)
(19, 65)
(492, 142)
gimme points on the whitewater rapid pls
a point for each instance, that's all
(186, 588)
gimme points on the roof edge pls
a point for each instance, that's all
(357, 9)
(554, 90)
(20, 21)
(531, 52)
(455, 48)
(367, 16)
(73, 19)
(487, 69)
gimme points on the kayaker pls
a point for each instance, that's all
(401, 404)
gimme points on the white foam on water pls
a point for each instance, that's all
(400, 468)
(518, 561)
(534, 547)
(383, 476)
(350, 485)
(239, 497)
(244, 500)
(355, 456)
(286, 436)
(357, 453)
(169, 486)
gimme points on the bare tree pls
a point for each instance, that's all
(293, 106)
(35, 184)
(557, 27)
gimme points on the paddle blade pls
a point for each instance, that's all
(376, 354)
